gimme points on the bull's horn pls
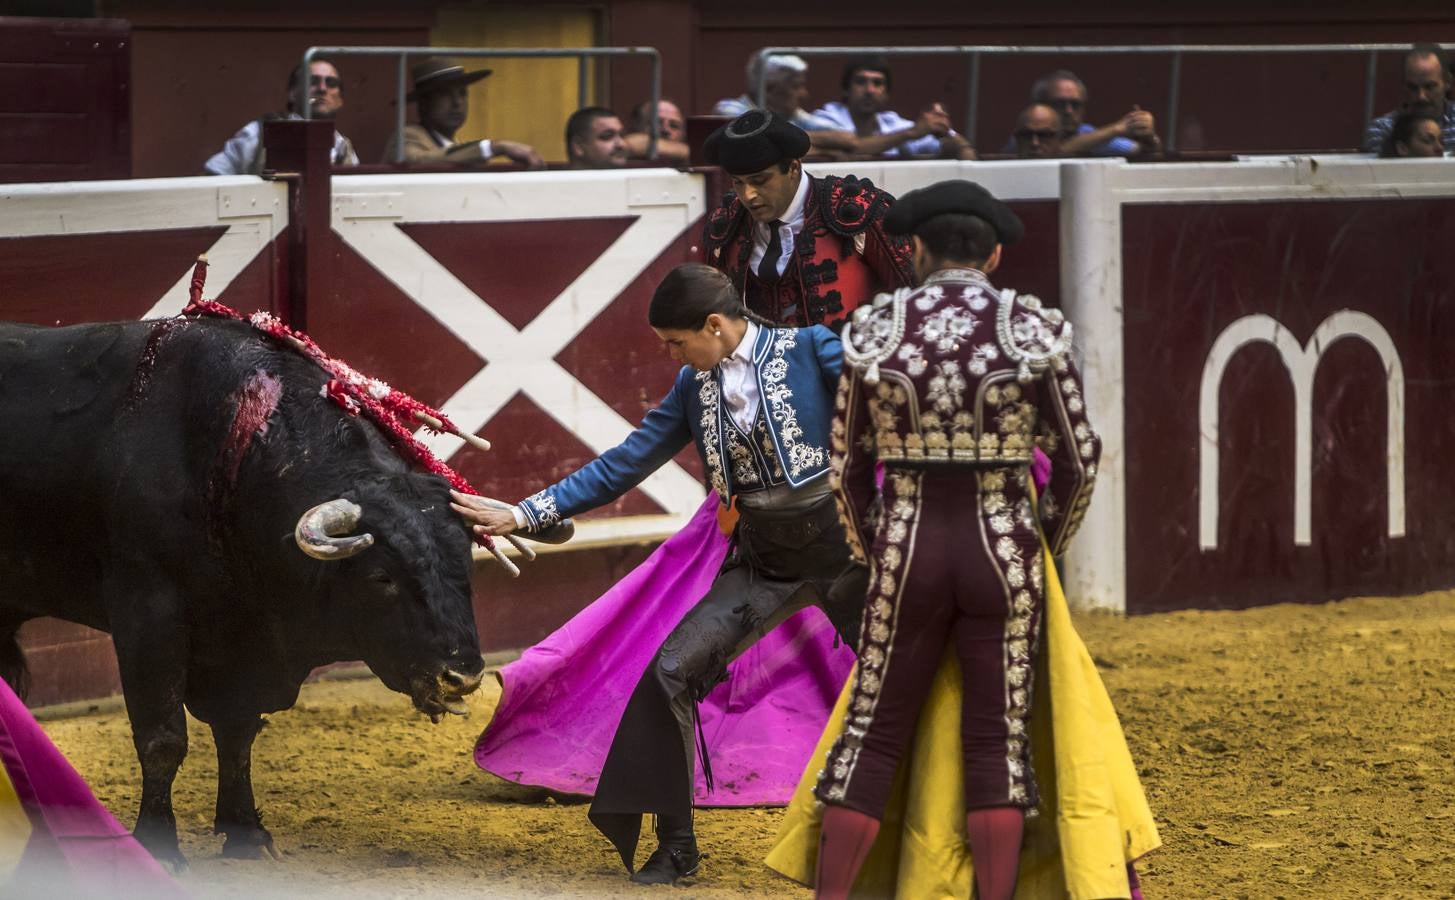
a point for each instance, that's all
(320, 531)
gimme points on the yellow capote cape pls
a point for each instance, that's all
(14, 827)
(1092, 820)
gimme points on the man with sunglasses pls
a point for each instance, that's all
(1037, 132)
(243, 153)
(1132, 135)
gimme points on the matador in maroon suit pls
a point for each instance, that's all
(951, 385)
(802, 250)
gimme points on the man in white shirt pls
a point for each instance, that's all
(866, 82)
(785, 89)
(442, 92)
(243, 153)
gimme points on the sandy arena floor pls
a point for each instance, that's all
(1290, 751)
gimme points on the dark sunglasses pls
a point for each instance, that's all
(1026, 134)
(328, 81)
(1066, 103)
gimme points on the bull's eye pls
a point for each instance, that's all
(381, 578)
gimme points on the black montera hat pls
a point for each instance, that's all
(958, 196)
(754, 141)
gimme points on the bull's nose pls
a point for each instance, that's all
(458, 682)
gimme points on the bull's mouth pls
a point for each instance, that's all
(443, 695)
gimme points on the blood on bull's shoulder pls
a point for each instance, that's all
(188, 486)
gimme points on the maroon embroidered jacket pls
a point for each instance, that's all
(841, 258)
(958, 372)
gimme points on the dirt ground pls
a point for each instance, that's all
(1289, 751)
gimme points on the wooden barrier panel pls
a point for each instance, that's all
(65, 99)
(1309, 299)
(1271, 402)
(514, 301)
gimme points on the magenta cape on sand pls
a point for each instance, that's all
(561, 701)
(76, 847)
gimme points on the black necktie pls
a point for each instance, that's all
(768, 268)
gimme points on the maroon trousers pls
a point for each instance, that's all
(956, 557)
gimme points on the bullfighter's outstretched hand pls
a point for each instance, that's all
(483, 515)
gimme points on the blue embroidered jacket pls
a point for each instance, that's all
(798, 376)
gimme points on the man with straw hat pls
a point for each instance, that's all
(441, 91)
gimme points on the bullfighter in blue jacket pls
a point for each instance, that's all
(757, 401)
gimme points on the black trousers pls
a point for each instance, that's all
(780, 562)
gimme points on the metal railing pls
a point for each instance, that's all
(1174, 88)
(582, 55)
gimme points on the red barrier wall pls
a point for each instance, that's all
(65, 99)
(1191, 271)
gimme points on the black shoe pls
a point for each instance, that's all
(667, 864)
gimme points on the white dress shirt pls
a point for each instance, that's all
(740, 381)
(792, 224)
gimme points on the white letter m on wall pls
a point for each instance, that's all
(1302, 363)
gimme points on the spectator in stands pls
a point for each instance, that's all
(1037, 132)
(1426, 81)
(866, 82)
(785, 90)
(671, 125)
(594, 139)
(442, 93)
(671, 132)
(1415, 133)
(243, 153)
(1132, 135)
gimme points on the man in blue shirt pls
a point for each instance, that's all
(1132, 135)
(1426, 79)
(866, 82)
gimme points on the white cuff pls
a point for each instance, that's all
(488, 152)
(519, 517)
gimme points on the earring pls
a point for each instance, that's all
(716, 333)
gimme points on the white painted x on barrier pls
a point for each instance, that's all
(524, 360)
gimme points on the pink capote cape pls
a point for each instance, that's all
(74, 847)
(561, 701)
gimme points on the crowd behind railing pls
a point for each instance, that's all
(860, 124)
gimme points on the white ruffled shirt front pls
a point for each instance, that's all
(740, 378)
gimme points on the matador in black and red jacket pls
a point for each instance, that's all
(802, 250)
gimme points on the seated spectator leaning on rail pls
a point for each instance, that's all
(785, 91)
(243, 153)
(1133, 134)
(1416, 133)
(866, 82)
(1426, 81)
(1037, 132)
(593, 139)
(442, 92)
(671, 132)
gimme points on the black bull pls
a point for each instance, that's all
(152, 478)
